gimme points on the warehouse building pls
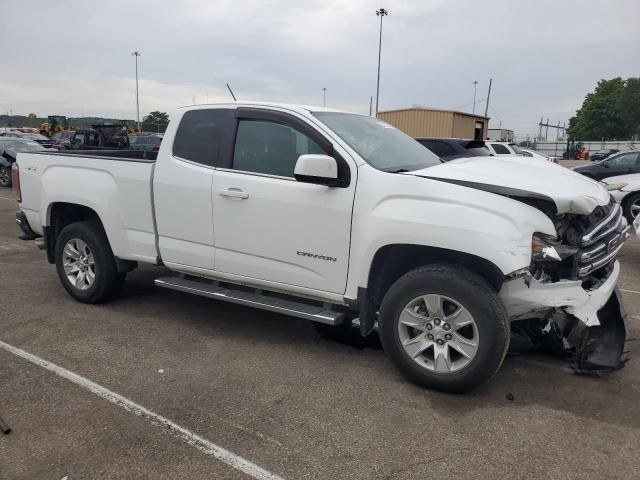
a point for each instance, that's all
(430, 122)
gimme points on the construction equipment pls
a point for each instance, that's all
(56, 123)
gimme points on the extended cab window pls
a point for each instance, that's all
(269, 147)
(200, 133)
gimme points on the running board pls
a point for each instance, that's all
(273, 304)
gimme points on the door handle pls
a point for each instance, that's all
(234, 193)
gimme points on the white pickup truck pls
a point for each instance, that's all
(342, 219)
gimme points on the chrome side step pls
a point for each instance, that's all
(257, 300)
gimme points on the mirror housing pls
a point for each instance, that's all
(317, 169)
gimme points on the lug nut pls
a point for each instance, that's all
(447, 336)
(446, 326)
(440, 341)
(430, 337)
(429, 326)
(437, 321)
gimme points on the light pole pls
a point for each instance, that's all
(475, 89)
(324, 97)
(137, 54)
(381, 13)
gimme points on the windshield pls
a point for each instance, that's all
(516, 148)
(378, 143)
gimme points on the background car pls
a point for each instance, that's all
(621, 163)
(59, 137)
(502, 148)
(148, 142)
(626, 190)
(452, 148)
(602, 154)
(9, 148)
(527, 152)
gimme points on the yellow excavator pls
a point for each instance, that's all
(56, 123)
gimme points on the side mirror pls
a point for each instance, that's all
(318, 169)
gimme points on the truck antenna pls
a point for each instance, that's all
(231, 92)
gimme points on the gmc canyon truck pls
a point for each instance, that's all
(342, 219)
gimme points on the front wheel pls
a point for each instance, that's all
(5, 176)
(444, 327)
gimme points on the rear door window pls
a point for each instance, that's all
(203, 136)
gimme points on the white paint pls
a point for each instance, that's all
(9, 199)
(182, 433)
(629, 291)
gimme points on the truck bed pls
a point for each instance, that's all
(116, 184)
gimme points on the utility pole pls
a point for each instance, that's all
(371, 106)
(381, 13)
(324, 97)
(137, 54)
(475, 89)
(486, 108)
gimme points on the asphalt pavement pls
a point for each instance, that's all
(271, 391)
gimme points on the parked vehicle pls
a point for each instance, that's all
(147, 142)
(626, 190)
(9, 148)
(527, 152)
(452, 148)
(332, 216)
(502, 148)
(59, 137)
(34, 137)
(621, 163)
(98, 137)
(603, 154)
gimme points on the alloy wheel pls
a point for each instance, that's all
(79, 264)
(438, 333)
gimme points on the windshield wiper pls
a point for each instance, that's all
(400, 170)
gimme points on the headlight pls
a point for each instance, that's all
(546, 247)
(616, 186)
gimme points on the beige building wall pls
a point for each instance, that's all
(424, 122)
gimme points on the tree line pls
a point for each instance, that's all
(610, 112)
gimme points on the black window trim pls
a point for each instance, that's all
(252, 113)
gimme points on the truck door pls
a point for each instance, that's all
(182, 187)
(269, 226)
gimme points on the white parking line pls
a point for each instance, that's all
(174, 429)
(8, 199)
(629, 291)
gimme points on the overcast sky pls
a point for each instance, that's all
(73, 57)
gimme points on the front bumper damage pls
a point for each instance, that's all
(588, 326)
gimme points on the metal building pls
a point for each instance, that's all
(430, 122)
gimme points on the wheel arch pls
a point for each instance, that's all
(393, 261)
(61, 214)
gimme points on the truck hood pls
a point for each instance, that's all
(521, 177)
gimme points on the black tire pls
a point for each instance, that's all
(477, 297)
(631, 200)
(107, 280)
(5, 176)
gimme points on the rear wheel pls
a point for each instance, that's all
(5, 176)
(444, 327)
(631, 207)
(85, 263)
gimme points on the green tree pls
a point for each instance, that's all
(155, 122)
(32, 120)
(600, 116)
(629, 106)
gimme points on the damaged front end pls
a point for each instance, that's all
(567, 302)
